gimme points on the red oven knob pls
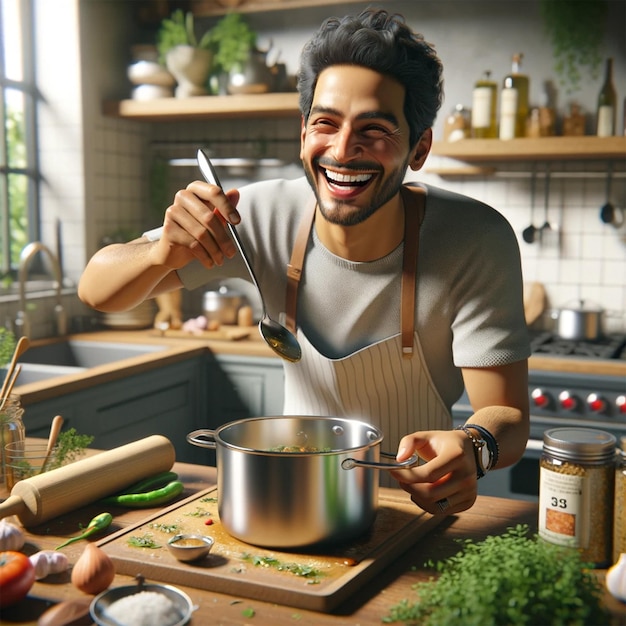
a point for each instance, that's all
(596, 403)
(620, 402)
(540, 398)
(568, 401)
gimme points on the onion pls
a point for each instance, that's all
(94, 571)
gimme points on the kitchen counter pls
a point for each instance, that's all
(367, 606)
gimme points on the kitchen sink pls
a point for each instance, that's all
(34, 372)
(78, 353)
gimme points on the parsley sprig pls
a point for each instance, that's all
(511, 579)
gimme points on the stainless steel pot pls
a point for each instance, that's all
(222, 305)
(579, 322)
(283, 499)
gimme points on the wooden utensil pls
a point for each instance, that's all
(55, 429)
(534, 302)
(22, 345)
(9, 387)
(37, 499)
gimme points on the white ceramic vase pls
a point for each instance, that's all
(190, 67)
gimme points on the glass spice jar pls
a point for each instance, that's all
(619, 506)
(11, 429)
(576, 483)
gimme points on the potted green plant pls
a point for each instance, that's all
(233, 41)
(576, 31)
(188, 58)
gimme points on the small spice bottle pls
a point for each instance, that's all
(576, 486)
(11, 429)
(619, 508)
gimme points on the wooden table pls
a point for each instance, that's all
(367, 607)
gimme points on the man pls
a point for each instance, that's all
(406, 293)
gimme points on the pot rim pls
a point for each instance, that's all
(377, 435)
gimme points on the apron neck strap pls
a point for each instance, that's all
(414, 201)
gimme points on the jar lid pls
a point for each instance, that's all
(582, 444)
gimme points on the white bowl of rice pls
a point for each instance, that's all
(141, 605)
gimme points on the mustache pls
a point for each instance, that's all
(353, 166)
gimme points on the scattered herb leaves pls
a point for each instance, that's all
(145, 541)
(249, 612)
(298, 569)
(169, 529)
(511, 579)
(199, 512)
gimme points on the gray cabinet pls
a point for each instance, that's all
(240, 387)
(169, 400)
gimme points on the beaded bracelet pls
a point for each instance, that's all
(490, 440)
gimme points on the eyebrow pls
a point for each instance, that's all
(368, 115)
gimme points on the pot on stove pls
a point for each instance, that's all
(294, 481)
(577, 322)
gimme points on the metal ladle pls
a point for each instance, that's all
(529, 233)
(277, 337)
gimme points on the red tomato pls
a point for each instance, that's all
(17, 575)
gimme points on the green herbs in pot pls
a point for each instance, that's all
(511, 580)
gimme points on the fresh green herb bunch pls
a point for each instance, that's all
(576, 30)
(179, 30)
(70, 445)
(232, 39)
(511, 580)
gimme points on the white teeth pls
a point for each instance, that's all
(346, 178)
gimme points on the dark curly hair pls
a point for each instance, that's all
(383, 42)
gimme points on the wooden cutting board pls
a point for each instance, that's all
(224, 333)
(230, 566)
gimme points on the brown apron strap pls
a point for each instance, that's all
(413, 211)
(294, 267)
(414, 202)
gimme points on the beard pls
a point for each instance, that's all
(343, 212)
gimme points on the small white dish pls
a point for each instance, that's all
(190, 547)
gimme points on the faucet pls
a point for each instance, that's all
(22, 323)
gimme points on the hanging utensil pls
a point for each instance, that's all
(55, 429)
(529, 233)
(609, 213)
(546, 203)
(22, 345)
(277, 337)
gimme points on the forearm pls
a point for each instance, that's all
(121, 276)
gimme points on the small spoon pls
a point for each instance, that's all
(55, 429)
(277, 337)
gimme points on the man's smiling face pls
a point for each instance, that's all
(355, 144)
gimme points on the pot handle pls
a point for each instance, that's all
(203, 438)
(351, 463)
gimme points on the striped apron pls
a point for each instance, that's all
(386, 384)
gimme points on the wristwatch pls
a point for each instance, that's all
(481, 452)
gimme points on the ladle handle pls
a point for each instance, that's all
(351, 463)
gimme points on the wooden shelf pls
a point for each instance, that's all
(544, 148)
(206, 107)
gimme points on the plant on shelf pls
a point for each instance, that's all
(576, 31)
(188, 58)
(232, 40)
(179, 30)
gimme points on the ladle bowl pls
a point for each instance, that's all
(282, 341)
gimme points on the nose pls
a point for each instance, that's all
(346, 144)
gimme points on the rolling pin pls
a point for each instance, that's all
(37, 499)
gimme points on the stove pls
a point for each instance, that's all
(561, 398)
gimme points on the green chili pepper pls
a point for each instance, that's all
(147, 499)
(98, 523)
(151, 483)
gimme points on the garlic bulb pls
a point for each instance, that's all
(48, 562)
(11, 537)
(94, 571)
(616, 579)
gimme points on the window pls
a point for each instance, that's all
(19, 170)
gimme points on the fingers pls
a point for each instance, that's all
(446, 483)
(195, 222)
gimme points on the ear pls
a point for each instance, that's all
(302, 135)
(421, 150)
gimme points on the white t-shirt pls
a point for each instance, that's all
(469, 309)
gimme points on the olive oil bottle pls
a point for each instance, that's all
(514, 101)
(607, 104)
(484, 104)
